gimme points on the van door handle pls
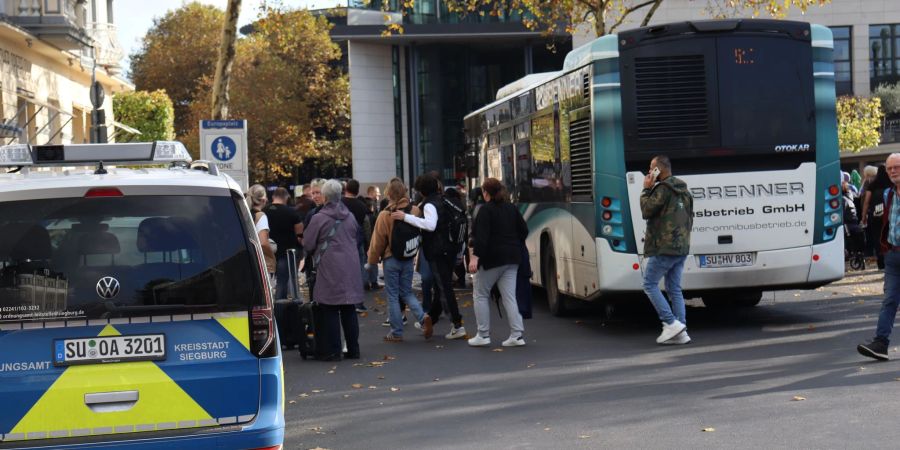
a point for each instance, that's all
(111, 401)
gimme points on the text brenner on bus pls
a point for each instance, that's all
(745, 109)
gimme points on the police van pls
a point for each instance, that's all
(134, 307)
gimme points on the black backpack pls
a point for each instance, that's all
(405, 239)
(454, 226)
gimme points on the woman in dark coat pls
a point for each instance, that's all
(336, 290)
(499, 231)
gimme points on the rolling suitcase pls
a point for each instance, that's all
(288, 310)
(310, 316)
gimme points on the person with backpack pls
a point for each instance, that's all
(444, 230)
(395, 244)
(873, 210)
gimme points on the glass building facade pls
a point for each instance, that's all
(444, 66)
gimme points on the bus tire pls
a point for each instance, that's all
(720, 300)
(748, 299)
(555, 300)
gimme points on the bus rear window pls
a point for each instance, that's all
(69, 258)
(766, 94)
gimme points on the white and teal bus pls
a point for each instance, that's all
(745, 110)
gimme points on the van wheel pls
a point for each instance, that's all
(555, 300)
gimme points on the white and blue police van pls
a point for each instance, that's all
(135, 311)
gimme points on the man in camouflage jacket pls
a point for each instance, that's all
(668, 208)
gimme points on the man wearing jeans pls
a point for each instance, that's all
(890, 246)
(668, 208)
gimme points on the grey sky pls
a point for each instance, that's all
(134, 17)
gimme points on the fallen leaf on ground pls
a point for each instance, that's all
(584, 436)
(547, 429)
(497, 350)
(798, 398)
(394, 389)
(530, 366)
(317, 391)
(315, 429)
(438, 379)
(389, 358)
(292, 401)
(897, 379)
(331, 372)
(438, 346)
(373, 387)
(364, 314)
(346, 395)
(709, 430)
(303, 395)
(467, 304)
(356, 386)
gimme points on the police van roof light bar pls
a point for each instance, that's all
(136, 153)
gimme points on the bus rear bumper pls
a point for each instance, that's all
(793, 268)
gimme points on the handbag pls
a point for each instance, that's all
(313, 271)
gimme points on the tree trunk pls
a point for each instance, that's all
(600, 19)
(225, 61)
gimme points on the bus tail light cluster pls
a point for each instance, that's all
(833, 212)
(611, 222)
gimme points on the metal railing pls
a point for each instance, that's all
(890, 131)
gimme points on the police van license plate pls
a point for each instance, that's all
(726, 260)
(109, 349)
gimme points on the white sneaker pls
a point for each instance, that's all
(514, 342)
(456, 333)
(682, 338)
(479, 341)
(670, 330)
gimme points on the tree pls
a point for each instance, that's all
(889, 94)
(604, 16)
(287, 83)
(225, 61)
(176, 53)
(151, 113)
(859, 123)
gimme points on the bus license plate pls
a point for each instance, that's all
(109, 349)
(726, 260)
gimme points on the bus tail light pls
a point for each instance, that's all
(611, 223)
(833, 213)
(606, 202)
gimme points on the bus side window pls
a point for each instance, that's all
(546, 183)
(523, 172)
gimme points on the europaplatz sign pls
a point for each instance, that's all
(224, 143)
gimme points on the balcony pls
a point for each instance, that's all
(58, 22)
(107, 51)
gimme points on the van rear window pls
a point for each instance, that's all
(110, 257)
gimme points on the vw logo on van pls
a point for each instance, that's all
(108, 287)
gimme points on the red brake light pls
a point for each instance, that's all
(605, 202)
(103, 192)
(262, 318)
(833, 190)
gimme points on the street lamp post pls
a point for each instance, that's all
(98, 116)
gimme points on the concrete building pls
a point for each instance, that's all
(409, 92)
(48, 49)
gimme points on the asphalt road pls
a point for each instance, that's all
(784, 374)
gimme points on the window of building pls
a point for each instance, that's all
(843, 57)
(884, 62)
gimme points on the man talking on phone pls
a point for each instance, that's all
(668, 208)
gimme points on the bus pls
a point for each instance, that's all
(744, 109)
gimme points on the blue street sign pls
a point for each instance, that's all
(223, 148)
(222, 124)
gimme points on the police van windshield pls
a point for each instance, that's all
(87, 258)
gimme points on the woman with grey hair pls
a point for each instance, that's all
(256, 201)
(331, 240)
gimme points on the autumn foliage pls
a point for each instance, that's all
(859, 123)
(287, 84)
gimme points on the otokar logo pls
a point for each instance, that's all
(792, 148)
(108, 287)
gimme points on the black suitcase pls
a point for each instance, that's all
(287, 310)
(310, 322)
